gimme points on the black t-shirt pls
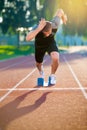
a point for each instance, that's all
(42, 40)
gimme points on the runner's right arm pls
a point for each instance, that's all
(56, 21)
(33, 33)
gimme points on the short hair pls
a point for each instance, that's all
(47, 27)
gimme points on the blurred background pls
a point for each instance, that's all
(18, 17)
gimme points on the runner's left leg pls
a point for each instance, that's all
(55, 61)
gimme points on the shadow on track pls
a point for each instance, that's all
(10, 111)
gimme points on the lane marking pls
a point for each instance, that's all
(41, 88)
(21, 81)
(14, 87)
(75, 77)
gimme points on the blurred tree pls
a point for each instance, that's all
(48, 9)
(26, 13)
(1, 5)
(76, 11)
(18, 13)
(76, 24)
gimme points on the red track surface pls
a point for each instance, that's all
(24, 106)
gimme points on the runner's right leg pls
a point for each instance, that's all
(39, 55)
(40, 68)
(40, 80)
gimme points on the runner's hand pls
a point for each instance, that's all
(64, 18)
(42, 24)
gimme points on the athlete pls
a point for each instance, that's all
(44, 42)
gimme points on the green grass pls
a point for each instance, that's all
(84, 38)
(7, 51)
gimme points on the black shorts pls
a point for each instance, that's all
(41, 50)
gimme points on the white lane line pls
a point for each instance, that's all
(21, 81)
(7, 67)
(14, 87)
(41, 88)
(75, 77)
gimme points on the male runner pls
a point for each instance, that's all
(45, 42)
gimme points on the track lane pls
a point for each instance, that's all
(7, 64)
(49, 110)
(79, 67)
(14, 74)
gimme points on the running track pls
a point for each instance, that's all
(24, 106)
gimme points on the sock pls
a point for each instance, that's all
(41, 73)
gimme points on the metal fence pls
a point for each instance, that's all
(60, 39)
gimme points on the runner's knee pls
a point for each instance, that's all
(55, 57)
(38, 64)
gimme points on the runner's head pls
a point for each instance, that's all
(47, 30)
